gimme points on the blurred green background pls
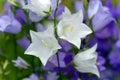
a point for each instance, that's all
(1, 5)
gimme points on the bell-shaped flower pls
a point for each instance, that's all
(9, 24)
(39, 6)
(102, 18)
(93, 7)
(34, 17)
(72, 28)
(20, 63)
(86, 61)
(44, 45)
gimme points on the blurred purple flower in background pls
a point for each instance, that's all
(100, 63)
(51, 76)
(20, 63)
(60, 8)
(115, 11)
(114, 58)
(79, 6)
(66, 46)
(54, 61)
(93, 7)
(9, 24)
(40, 27)
(102, 18)
(34, 17)
(24, 42)
(21, 16)
(32, 77)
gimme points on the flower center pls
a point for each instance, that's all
(45, 43)
(68, 29)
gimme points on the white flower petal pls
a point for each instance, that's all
(39, 6)
(72, 29)
(86, 61)
(66, 12)
(84, 30)
(76, 42)
(43, 45)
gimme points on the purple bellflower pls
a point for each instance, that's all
(9, 24)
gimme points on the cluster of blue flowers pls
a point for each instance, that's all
(60, 40)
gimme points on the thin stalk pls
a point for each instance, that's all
(55, 21)
(55, 32)
(15, 52)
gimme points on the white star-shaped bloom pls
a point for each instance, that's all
(43, 45)
(39, 6)
(72, 28)
(86, 61)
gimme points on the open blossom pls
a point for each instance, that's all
(86, 61)
(71, 28)
(20, 63)
(43, 45)
(39, 6)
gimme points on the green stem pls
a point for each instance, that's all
(56, 35)
(15, 52)
(55, 21)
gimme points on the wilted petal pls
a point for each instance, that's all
(86, 61)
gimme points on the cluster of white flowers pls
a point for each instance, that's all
(71, 28)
